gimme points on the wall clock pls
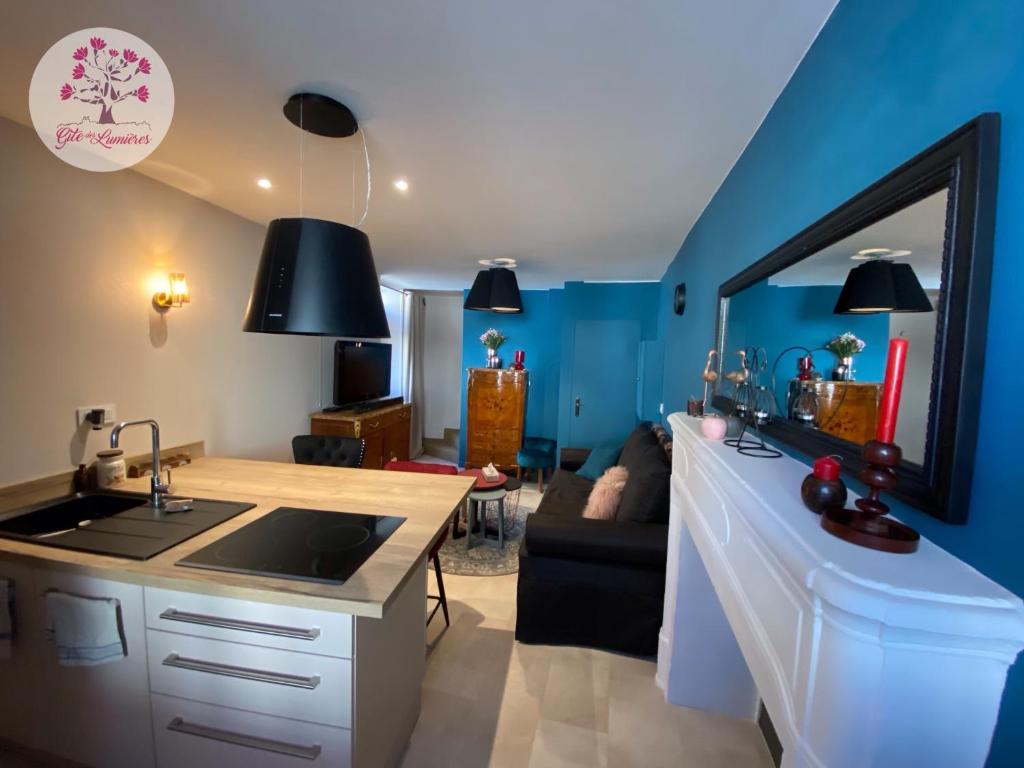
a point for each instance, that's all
(679, 299)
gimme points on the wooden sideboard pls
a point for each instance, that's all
(495, 411)
(385, 430)
(848, 409)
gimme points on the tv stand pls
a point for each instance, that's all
(384, 429)
(374, 405)
(361, 408)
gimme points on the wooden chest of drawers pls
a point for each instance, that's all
(848, 409)
(385, 430)
(495, 410)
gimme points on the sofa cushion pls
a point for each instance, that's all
(645, 499)
(608, 541)
(566, 495)
(604, 498)
(638, 439)
(601, 457)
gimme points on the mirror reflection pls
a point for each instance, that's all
(808, 344)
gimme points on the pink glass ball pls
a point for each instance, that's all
(713, 427)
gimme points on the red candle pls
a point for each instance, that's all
(890, 405)
(826, 468)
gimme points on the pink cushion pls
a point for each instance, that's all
(604, 496)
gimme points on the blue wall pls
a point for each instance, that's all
(544, 331)
(885, 79)
(536, 332)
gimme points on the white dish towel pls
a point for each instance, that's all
(86, 630)
(6, 625)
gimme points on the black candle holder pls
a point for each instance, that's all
(868, 525)
(745, 408)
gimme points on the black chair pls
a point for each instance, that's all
(328, 450)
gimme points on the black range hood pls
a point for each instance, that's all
(316, 278)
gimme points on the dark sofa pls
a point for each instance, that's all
(598, 583)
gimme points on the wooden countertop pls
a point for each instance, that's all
(426, 501)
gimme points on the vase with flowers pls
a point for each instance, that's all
(492, 339)
(845, 347)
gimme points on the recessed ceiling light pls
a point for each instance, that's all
(401, 185)
(506, 263)
(878, 253)
(263, 183)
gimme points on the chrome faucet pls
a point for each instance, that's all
(157, 489)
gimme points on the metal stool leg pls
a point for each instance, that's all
(501, 523)
(442, 599)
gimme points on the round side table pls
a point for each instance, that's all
(478, 509)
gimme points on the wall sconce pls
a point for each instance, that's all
(175, 293)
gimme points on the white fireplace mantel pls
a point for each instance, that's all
(862, 658)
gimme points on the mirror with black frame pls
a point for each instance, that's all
(909, 257)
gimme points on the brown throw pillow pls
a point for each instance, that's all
(603, 502)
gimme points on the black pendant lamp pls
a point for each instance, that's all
(316, 277)
(495, 290)
(881, 285)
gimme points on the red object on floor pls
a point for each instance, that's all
(483, 484)
(424, 468)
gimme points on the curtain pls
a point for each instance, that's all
(414, 318)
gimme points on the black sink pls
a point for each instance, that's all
(114, 523)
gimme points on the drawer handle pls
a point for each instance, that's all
(226, 670)
(375, 424)
(256, 742)
(242, 626)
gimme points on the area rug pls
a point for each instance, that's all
(484, 559)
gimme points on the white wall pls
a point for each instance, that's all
(77, 327)
(442, 375)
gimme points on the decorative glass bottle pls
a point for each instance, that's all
(763, 405)
(805, 406)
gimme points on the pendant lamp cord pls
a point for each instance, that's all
(366, 205)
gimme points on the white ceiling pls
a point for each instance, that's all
(582, 137)
(919, 228)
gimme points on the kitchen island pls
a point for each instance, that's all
(227, 668)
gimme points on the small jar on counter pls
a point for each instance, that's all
(110, 468)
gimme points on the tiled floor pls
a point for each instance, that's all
(489, 701)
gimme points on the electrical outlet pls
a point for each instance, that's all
(109, 414)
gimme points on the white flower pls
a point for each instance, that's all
(493, 338)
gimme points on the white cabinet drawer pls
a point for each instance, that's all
(269, 680)
(241, 621)
(190, 734)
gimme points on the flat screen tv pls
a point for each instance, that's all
(362, 372)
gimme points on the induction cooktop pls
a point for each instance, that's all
(296, 543)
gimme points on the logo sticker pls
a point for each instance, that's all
(101, 99)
